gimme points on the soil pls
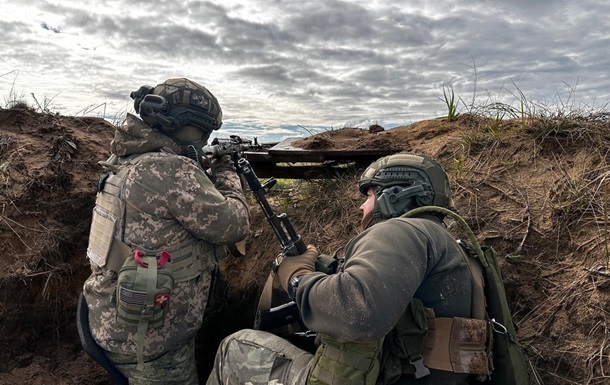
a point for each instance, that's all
(536, 191)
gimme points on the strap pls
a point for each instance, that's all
(264, 301)
(150, 274)
(410, 332)
(188, 258)
(471, 237)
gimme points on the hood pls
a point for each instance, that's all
(136, 137)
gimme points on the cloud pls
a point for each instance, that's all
(281, 64)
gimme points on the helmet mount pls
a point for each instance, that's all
(397, 200)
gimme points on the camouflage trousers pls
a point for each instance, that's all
(173, 367)
(254, 357)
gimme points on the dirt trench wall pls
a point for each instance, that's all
(537, 198)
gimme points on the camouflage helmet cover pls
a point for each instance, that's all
(182, 102)
(404, 169)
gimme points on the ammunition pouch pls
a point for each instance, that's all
(342, 363)
(420, 341)
(459, 345)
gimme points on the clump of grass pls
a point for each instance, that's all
(18, 105)
(336, 203)
(458, 163)
(571, 200)
(450, 103)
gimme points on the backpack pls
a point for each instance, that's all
(510, 363)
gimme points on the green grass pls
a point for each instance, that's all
(450, 103)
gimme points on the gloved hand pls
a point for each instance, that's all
(223, 163)
(297, 266)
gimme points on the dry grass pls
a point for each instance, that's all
(538, 191)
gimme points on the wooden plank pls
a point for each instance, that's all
(283, 160)
(285, 148)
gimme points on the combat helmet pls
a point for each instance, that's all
(404, 181)
(178, 103)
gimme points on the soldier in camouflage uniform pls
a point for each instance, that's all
(403, 308)
(160, 224)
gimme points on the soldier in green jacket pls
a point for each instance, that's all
(404, 307)
(160, 224)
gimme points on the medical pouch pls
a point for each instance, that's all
(144, 290)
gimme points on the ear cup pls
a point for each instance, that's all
(139, 95)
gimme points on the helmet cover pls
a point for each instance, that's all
(176, 103)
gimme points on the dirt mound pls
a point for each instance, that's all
(48, 170)
(422, 134)
(535, 190)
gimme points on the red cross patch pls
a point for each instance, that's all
(161, 299)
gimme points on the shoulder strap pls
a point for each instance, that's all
(471, 237)
(510, 361)
(118, 245)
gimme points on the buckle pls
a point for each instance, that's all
(420, 369)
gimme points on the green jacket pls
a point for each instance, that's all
(386, 266)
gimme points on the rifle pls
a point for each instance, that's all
(291, 242)
(233, 146)
(292, 245)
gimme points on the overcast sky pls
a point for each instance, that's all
(277, 66)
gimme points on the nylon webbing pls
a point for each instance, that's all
(347, 358)
(187, 258)
(327, 376)
(150, 274)
(264, 302)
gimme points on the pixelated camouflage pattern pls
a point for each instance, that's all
(136, 137)
(176, 367)
(169, 200)
(254, 357)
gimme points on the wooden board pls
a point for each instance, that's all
(286, 149)
(283, 160)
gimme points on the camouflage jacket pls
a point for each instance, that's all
(169, 200)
